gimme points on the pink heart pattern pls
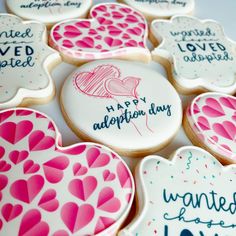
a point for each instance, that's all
(45, 181)
(102, 36)
(214, 123)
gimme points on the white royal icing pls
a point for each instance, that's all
(49, 11)
(162, 8)
(191, 195)
(122, 104)
(201, 55)
(24, 58)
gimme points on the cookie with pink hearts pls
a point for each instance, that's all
(210, 122)
(49, 12)
(25, 61)
(114, 31)
(192, 194)
(47, 189)
(122, 105)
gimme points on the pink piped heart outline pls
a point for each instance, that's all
(114, 31)
(43, 181)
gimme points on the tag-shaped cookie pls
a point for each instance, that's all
(191, 195)
(47, 189)
(122, 105)
(49, 12)
(210, 121)
(154, 9)
(114, 31)
(197, 54)
(25, 59)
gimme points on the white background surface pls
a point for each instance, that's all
(223, 11)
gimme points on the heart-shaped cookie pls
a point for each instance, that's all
(114, 31)
(213, 126)
(192, 194)
(25, 59)
(54, 182)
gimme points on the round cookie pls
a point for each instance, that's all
(25, 61)
(114, 31)
(123, 105)
(47, 189)
(154, 9)
(49, 12)
(210, 122)
(190, 195)
(197, 54)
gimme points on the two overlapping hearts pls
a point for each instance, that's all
(105, 81)
(36, 176)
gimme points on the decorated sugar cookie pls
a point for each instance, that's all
(210, 121)
(154, 9)
(191, 195)
(47, 189)
(197, 54)
(114, 31)
(25, 60)
(49, 12)
(123, 105)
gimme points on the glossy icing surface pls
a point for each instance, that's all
(49, 11)
(47, 189)
(24, 59)
(212, 117)
(201, 55)
(115, 30)
(162, 8)
(122, 104)
(191, 195)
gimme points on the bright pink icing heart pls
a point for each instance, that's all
(109, 25)
(203, 123)
(43, 173)
(213, 108)
(226, 129)
(76, 217)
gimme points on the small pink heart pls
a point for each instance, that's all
(54, 168)
(108, 176)
(18, 156)
(213, 108)
(122, 25)
(5, 115)
(104, 21)
(103, 223)
(107, 202)
(124, 176)
(131, 19)
(125, 87)
(92, 32)
(72, 31)
(38, 141)
(79, 170)
(112, 42)
(31, 224)
(101, 28)
(14, 133)
(83, 189)
(76, 217)
(135, 31)
(226, 129)
(4, 166)
(30, 167)
(76, 150)
(2, 152)
(83, 24)
(23, 112)
(98, 37)
(97, 159)
(48, 201)
(10, 212)
(117, 15)
(229, 102)
(3, 182)
(131, 43)
(203, 123)
(27, 190)
(67, 43)
(56, 36)
(125, 36)
(114, 31)
(86, 42)
(61, 233)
